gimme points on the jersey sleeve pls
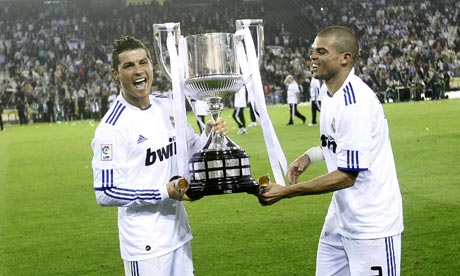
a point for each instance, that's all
(110, 154)
(194, 141)
(354, 129)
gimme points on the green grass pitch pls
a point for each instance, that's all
(50, 223)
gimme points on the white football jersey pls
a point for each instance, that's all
(293, 93)
(315, 85)
(134, 158)
(240, 98)
(355, 137)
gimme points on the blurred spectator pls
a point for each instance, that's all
(96, 108)
(69, 108)
(81, 102)
(50, 105)
(201, 110)
(22, 110)
(238, 110)
(435, 83)
(293, 99)
(67, 44)
(315, 85)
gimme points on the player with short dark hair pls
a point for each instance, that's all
(362, 230)
(135, 168)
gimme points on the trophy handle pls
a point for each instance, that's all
(157, 45)
(259, 23)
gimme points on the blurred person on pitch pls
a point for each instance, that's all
(253, 114)
(315, 85)
(201, 110)
(362, 230)
(135, 167)
(293, 99)
(238, 110)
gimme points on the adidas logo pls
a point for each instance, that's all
(141, 139)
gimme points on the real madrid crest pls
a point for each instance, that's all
(333, 124)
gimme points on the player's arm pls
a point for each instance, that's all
(298, 166)
(110, 177)
(175, 189)
(196, 142)
(333, 181)
(330, 182)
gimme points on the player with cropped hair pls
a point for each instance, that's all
(362, 230)
(135, 168)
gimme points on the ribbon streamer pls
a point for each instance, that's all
(250, 68)
(180, 117)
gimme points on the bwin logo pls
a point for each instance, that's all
(162, 153)
(328, 141)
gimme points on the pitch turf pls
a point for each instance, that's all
(50, 223)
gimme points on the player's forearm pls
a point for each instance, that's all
(334, 181)
(130, 198)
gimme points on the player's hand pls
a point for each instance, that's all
(297, 167)
(177, 189)
(271, 193)
(219, 127)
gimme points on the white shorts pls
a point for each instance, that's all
(177, 263)
(341, 256)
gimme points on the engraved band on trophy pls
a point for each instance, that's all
(212, 73)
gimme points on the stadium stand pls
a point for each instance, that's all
(55, 53)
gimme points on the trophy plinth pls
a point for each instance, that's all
(216, 172)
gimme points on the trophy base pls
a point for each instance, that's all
(199, 189)
(215, 172)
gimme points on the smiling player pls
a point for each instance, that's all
(135, 168)
(362, 230)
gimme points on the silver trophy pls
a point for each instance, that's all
(212, 73)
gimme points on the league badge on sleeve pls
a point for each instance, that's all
(106, 152)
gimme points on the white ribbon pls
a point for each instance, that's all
(180, 117)
(249, 65)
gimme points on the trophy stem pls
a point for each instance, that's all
(215, 108)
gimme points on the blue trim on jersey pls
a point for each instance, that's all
(351, 170)
(349, 94)
(391, 258)
(107, 186)
(116, 112)
(134, 268)
(130, 194)
(107, 178)
(352, 162)
(352, 159)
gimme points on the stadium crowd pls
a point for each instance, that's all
(55, 59)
